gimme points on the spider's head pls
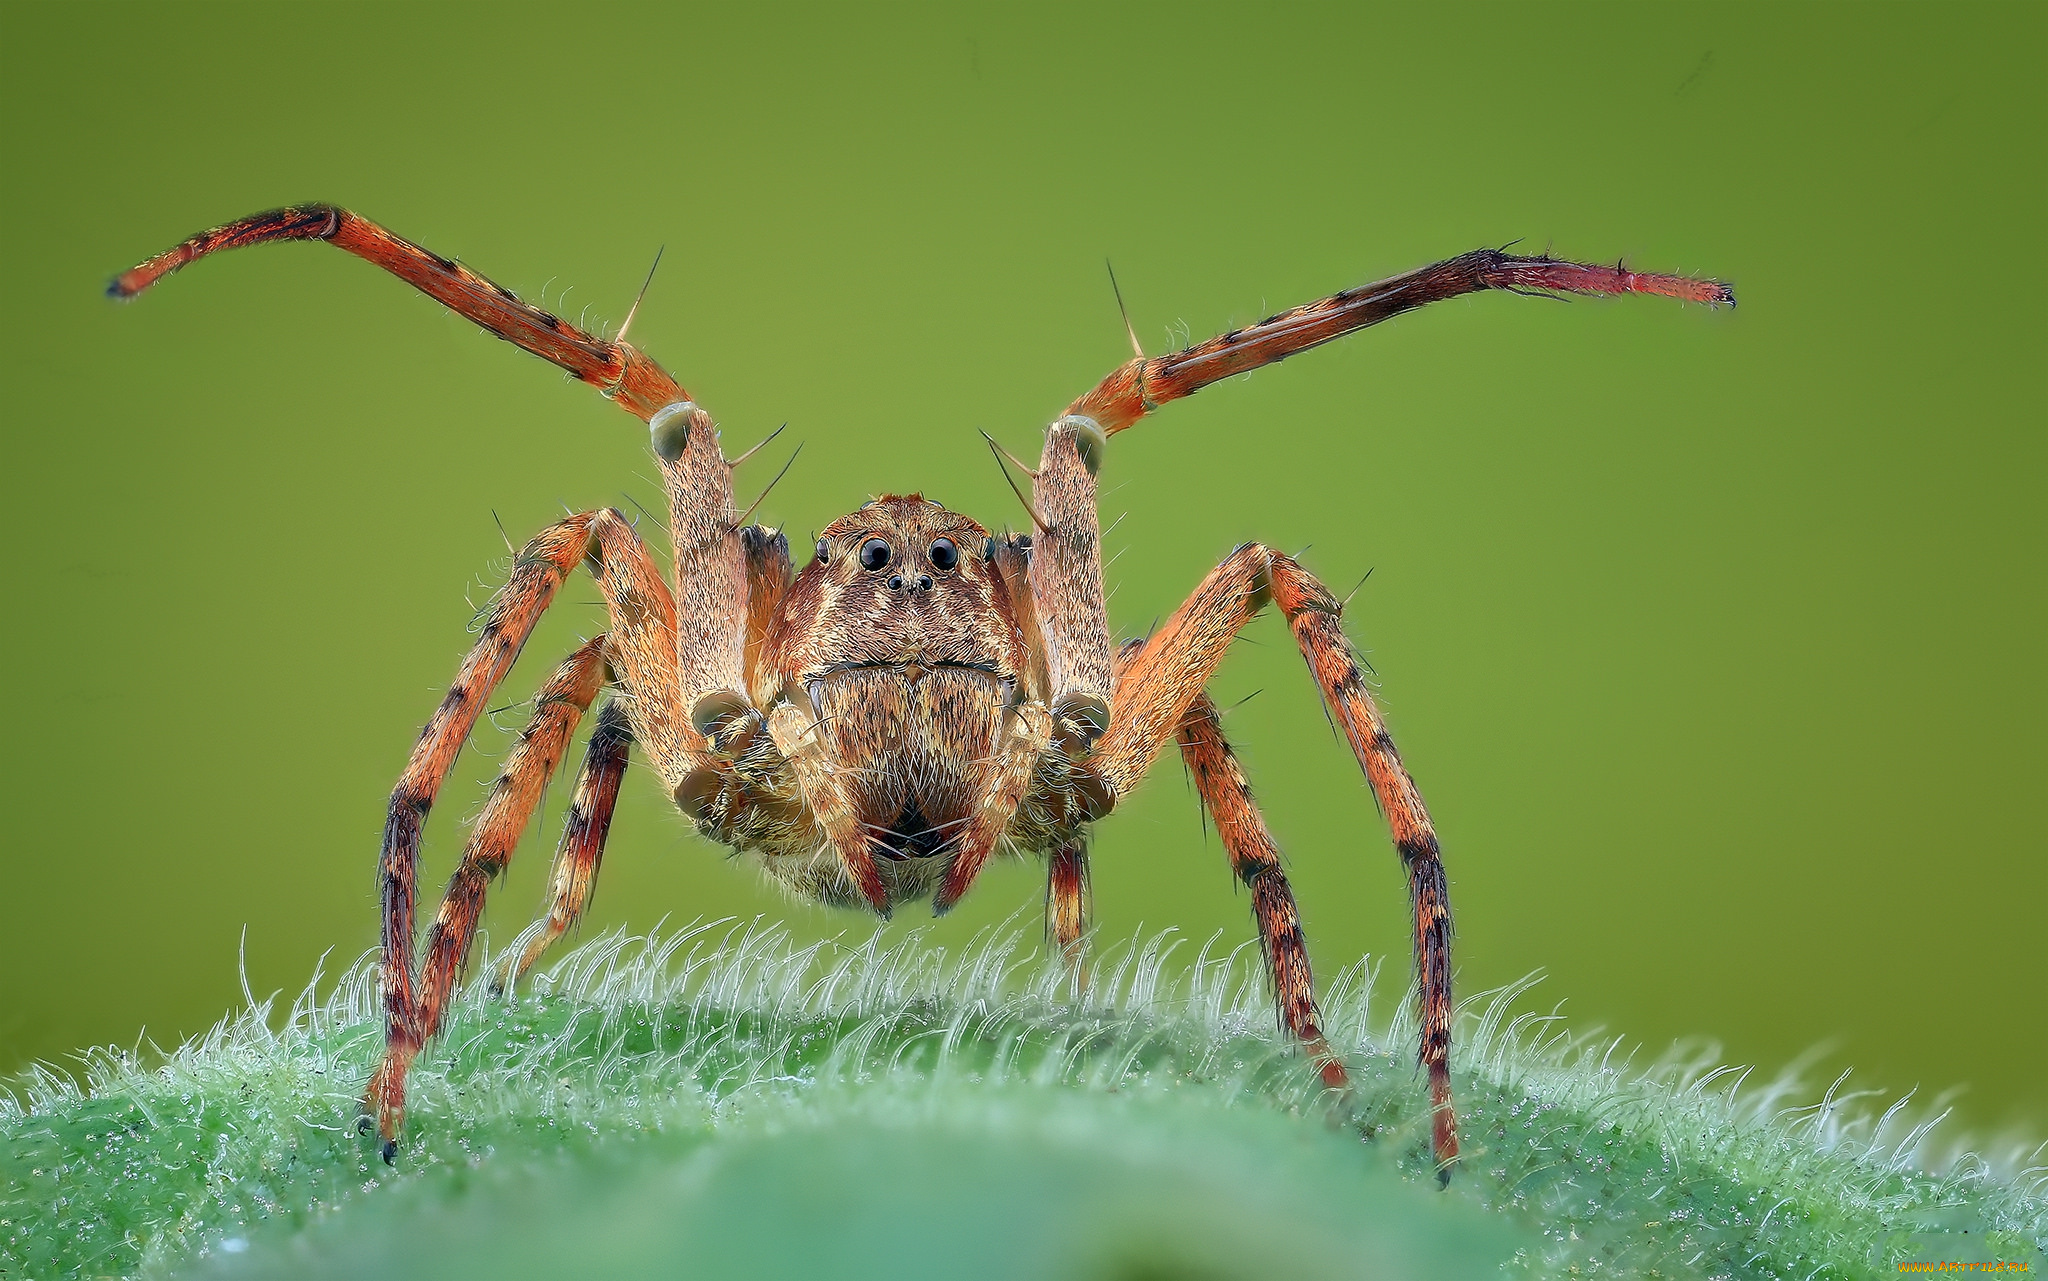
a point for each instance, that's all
(900, 582)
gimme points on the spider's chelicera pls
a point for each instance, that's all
(919, 697)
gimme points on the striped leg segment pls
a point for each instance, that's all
(1143, 385)
(582, 847)
(709, 589)
(1066, 563)
(1158, 687)
(514, 797)
(1256, 861)
(536, 575)
(1313, 615)
(640, 386)
(638, 646)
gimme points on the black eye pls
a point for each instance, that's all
(874, 553)
(944, 555)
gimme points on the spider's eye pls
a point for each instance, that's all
(874, 553)
(944, 554)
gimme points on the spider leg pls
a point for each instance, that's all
(514, 797)
(1256, 861)
(710, 576)
(639, 647)
(1144, 384)
(642, 650)
(582, 846)
(768, 577)
(1066, 564)
(1068, 896)
(1065, 574)
(536, 575)
(1163, 680)
(618, 370)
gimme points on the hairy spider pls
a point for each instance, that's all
(920, 696)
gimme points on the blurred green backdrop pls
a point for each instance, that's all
(1714, 639)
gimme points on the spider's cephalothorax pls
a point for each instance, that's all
(920, 697)
(894, 679)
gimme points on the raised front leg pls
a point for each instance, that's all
(1065, 569)
(707, 613)
(1144, 384)
(619, 371)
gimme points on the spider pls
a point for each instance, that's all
(921, 695)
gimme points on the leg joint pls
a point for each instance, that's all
(1420, 847)
(1257, 873)
(1256, 560)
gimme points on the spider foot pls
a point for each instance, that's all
(384, 1099)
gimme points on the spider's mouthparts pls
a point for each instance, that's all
(912, 835)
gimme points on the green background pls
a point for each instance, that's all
(1714, 638)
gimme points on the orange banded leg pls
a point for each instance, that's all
(641, 629)
(1157, 687)
(1313, 614)
(1256, 861)
(1144, 384)
(710, 583)
(513, 798)
(536, 575)
(619, 371)
(1066, 564)
(584, 831)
